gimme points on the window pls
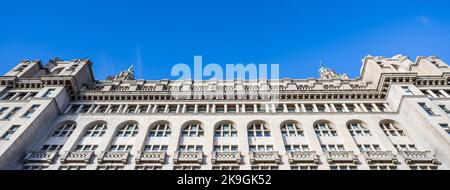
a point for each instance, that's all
(405, 147)
(51, 147)
(426, 109)
(65, 130)
(148, 167)
(249, 108)
(291, 108)
(85, 148)
(225, 148)
(129, 130)
(155, 148)
(34, 167)
(201, 109)
(190, 108)
(264, 167)
(110, 167)
(261, 148)
(72, 167)
(297, 147)
(85, 108)
(309, 108)
(351, 107)
(324, 129)
(304, 167)
(391, 128)
(225, 167)
(407, 90)
(356, 129)
(225, 130)
(423, 167)
(291, 130)
(332, 147)
(231, 109)
(220, 109)
(369, 147)
(172, 109)
(186, 167)
(160, 130)
(10, 132)
(132, 109)
(343, 167)
(3, 109)
(192, 130)
(339, 107)
(49, 93)
(114, 109)
(383, 167)
(445, 127)
(320, 107)
(190, 148)
(30, 111)
(120, 148)
(97, 130)
(11, 113)
(258, 130)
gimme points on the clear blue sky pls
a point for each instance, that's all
(157, 34)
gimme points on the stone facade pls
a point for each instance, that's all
(394, 116)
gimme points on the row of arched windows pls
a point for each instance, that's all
(227, 129)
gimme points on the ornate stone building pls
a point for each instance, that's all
(394, 116)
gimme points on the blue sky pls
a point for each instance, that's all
(155, 35)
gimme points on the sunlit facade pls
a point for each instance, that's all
(395, 116)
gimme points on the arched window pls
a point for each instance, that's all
(96, 130)
(128, 130)
(160, 129)
(65, 129)
(192, 130)
(291, 129)
(356, 128)
(325, 129)
(258, 129)
(225, 129)
(391, 128)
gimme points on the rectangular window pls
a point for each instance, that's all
(10, 132)
(3, 109)
(445, 127)
(231, 108)
(426, 109)
(190, 148)
(11, 113)
(51, 147)
(49, 93)
(407, 90)
(30, 111)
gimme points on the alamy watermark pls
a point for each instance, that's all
(235, 81)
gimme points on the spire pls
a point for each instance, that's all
(328, 73)
(124, 75)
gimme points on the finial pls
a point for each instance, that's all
(131, 68)
(321, 64)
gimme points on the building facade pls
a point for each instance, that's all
(395, 116)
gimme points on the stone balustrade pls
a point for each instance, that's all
(380, 157)
(76, 157)
(303, 157)
(188, 157)
(341, 157)
(264, 157)
(150, 157)
(413, 157)
(226, 157)
(113, 157)
(40, 157)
